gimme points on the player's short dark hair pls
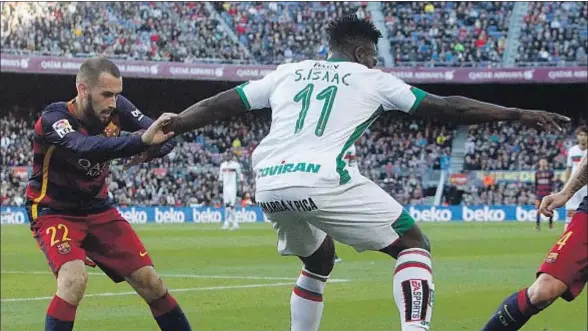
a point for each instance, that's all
(91, 69)
(349, 31)
(582, 128)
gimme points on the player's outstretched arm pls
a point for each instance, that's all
(578, 180)
(218, 107)
(57, 130)
(469, 111)
(133, 120)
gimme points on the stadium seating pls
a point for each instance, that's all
(420, 33)
(395, 153)
(278, 32)
(162, 31)
(447, 33)
(502, 146)
(555, 33)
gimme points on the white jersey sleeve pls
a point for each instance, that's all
(569, 162)
(394, 94)
(256, 94)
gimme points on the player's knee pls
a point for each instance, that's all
(147, 283)
(545, 290)
(322, 261)
(72, 280)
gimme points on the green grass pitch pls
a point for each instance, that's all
(236, 281)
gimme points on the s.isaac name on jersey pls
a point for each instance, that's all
(324, 72)
(272, 207)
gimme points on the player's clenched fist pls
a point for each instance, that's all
(154, 134)
(553, 201)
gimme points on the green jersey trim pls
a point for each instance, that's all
(420, 95)
(403, 224)
(242, 95)
(344, 176)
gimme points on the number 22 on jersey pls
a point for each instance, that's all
(327, 96)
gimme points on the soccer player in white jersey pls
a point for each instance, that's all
(230, 175)
(319, 109)
(575, 154)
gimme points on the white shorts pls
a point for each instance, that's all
(229, 197)
(359, 214)
(576, 200)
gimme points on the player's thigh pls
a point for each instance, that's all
(229, 197)
(115, 246)
(568, 258)
(362, 216)
(573, 203)
(295, 235)
(60, 238)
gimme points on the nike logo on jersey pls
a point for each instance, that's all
(141, 254)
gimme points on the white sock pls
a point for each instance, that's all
(413, 289)
(306, 302)
(234, 218)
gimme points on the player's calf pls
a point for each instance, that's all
(72, 280)
(306, 301)
(414, 291)
(516, 310)
(166, 310)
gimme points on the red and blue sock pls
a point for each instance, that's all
(513, 313)
(60, 315)
(168, 314)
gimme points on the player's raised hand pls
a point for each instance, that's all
(154, 135)
(539, 119)
(552, 202)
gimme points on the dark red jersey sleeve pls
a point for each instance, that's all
(132, 119)
(58, 129)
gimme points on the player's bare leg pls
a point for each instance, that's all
(306, 302)
(72, 280)
(166, 310)
(518, 308)
(413, 279)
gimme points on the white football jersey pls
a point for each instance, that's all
(230, 173)
(575, 154)
(319, 109)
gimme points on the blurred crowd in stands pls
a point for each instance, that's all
(509, 146)
(447, 33)
(396, 153)
(420, 33)
(554, 32)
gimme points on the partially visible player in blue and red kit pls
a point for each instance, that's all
(72, 218)
(543, 188)
(564, 271)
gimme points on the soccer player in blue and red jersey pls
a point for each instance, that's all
(564, 271)
(72, 218)
(543, 188)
